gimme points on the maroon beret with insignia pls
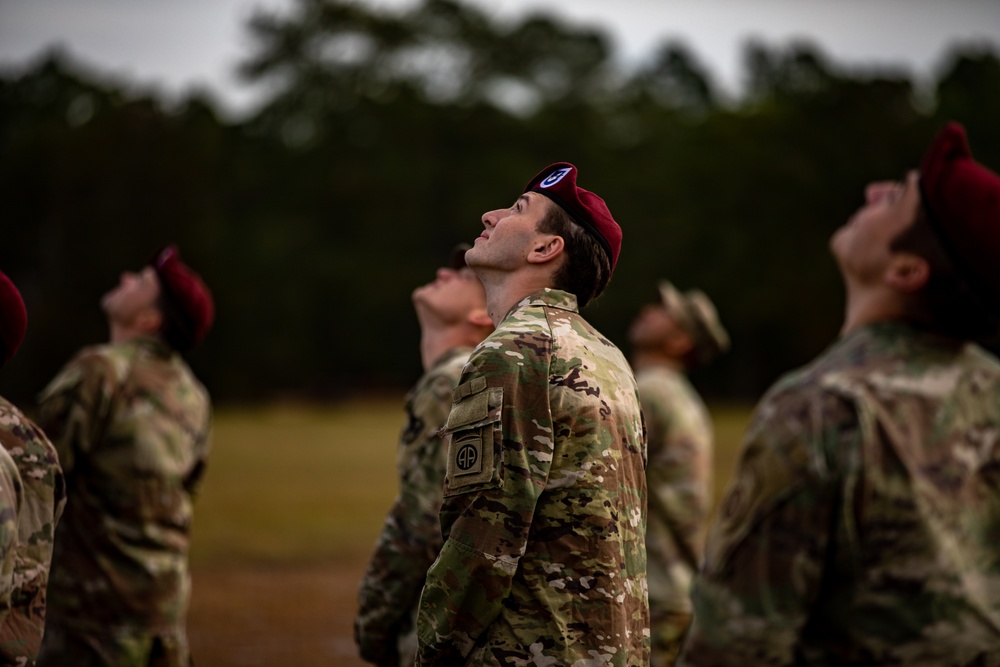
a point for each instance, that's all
(185, 289)
(15, 319)
(962, 200)
(558, 183)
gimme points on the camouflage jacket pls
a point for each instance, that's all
(863, 525)
(544, 560)
(131, 425)
(11, 500)
(43, 496)
(411, 536)
(679, 480)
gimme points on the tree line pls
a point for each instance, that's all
(382, 138)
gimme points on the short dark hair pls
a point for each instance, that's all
(175, 328)
(948, 303)
(586, 270)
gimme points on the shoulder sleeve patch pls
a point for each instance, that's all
(474, 457)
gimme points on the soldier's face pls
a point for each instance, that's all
(862, 246)
(451, 296)
(509, 234)
(135, 293)
(652, 326)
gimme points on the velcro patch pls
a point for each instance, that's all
(472, 453)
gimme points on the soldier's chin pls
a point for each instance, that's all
(472, 257)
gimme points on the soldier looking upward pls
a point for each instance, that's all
(543, 520)
(131, 424)
(670, 338)
(863, 523)
(451, 311)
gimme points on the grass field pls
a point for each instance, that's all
(292, 504)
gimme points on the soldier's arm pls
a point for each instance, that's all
(11, 496)
(498, 462)
(73, 408)
(411, 536)
(768, 549)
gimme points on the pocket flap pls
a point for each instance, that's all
(469, 409)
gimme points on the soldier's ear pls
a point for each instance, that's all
(907, 272)
(546, 248)
(479, 318)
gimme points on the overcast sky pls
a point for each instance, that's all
(176, 45)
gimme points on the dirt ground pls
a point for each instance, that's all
(245, 616)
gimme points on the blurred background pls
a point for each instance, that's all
(317, 159)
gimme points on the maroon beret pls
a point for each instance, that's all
(15, 319)
(186, 290)
(558, 183)
(962, 200)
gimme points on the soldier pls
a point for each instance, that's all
(451, 311)
(131, 424)
(669, 339)
(862, 525)
(32, 497)
(544, 558)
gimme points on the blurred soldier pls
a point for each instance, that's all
(863, 524)
(131, 424)
(544, 558)
(452, 315)
(32, 497)
(669, 339)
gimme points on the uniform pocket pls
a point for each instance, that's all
(474, 460)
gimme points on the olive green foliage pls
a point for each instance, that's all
(384, 136)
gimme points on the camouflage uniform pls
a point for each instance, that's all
(544, 560)
(411, 537)
(11, 500)
(131, 425)
(863, 525)
(43, 492)
(679, 478)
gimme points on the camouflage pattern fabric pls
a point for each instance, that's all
(11, 499)
(43, 496)
(411, 538)
(679, 480)
(544, 559)
(863, 525)
(131, 424)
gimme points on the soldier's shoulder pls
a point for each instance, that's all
(662, 381)
(438, 383)
(92, 367)
(17, 429)
(525, 331)
(449, 369)
(110, 358)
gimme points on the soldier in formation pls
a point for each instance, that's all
(670, 338)
(32, 497)
(861, 526)
(544, 557)
(452, 314)
(131, 424)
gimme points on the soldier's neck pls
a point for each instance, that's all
(866, 306)
(118, 333)
(643, 359)
(505, 290)
(435, 343)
